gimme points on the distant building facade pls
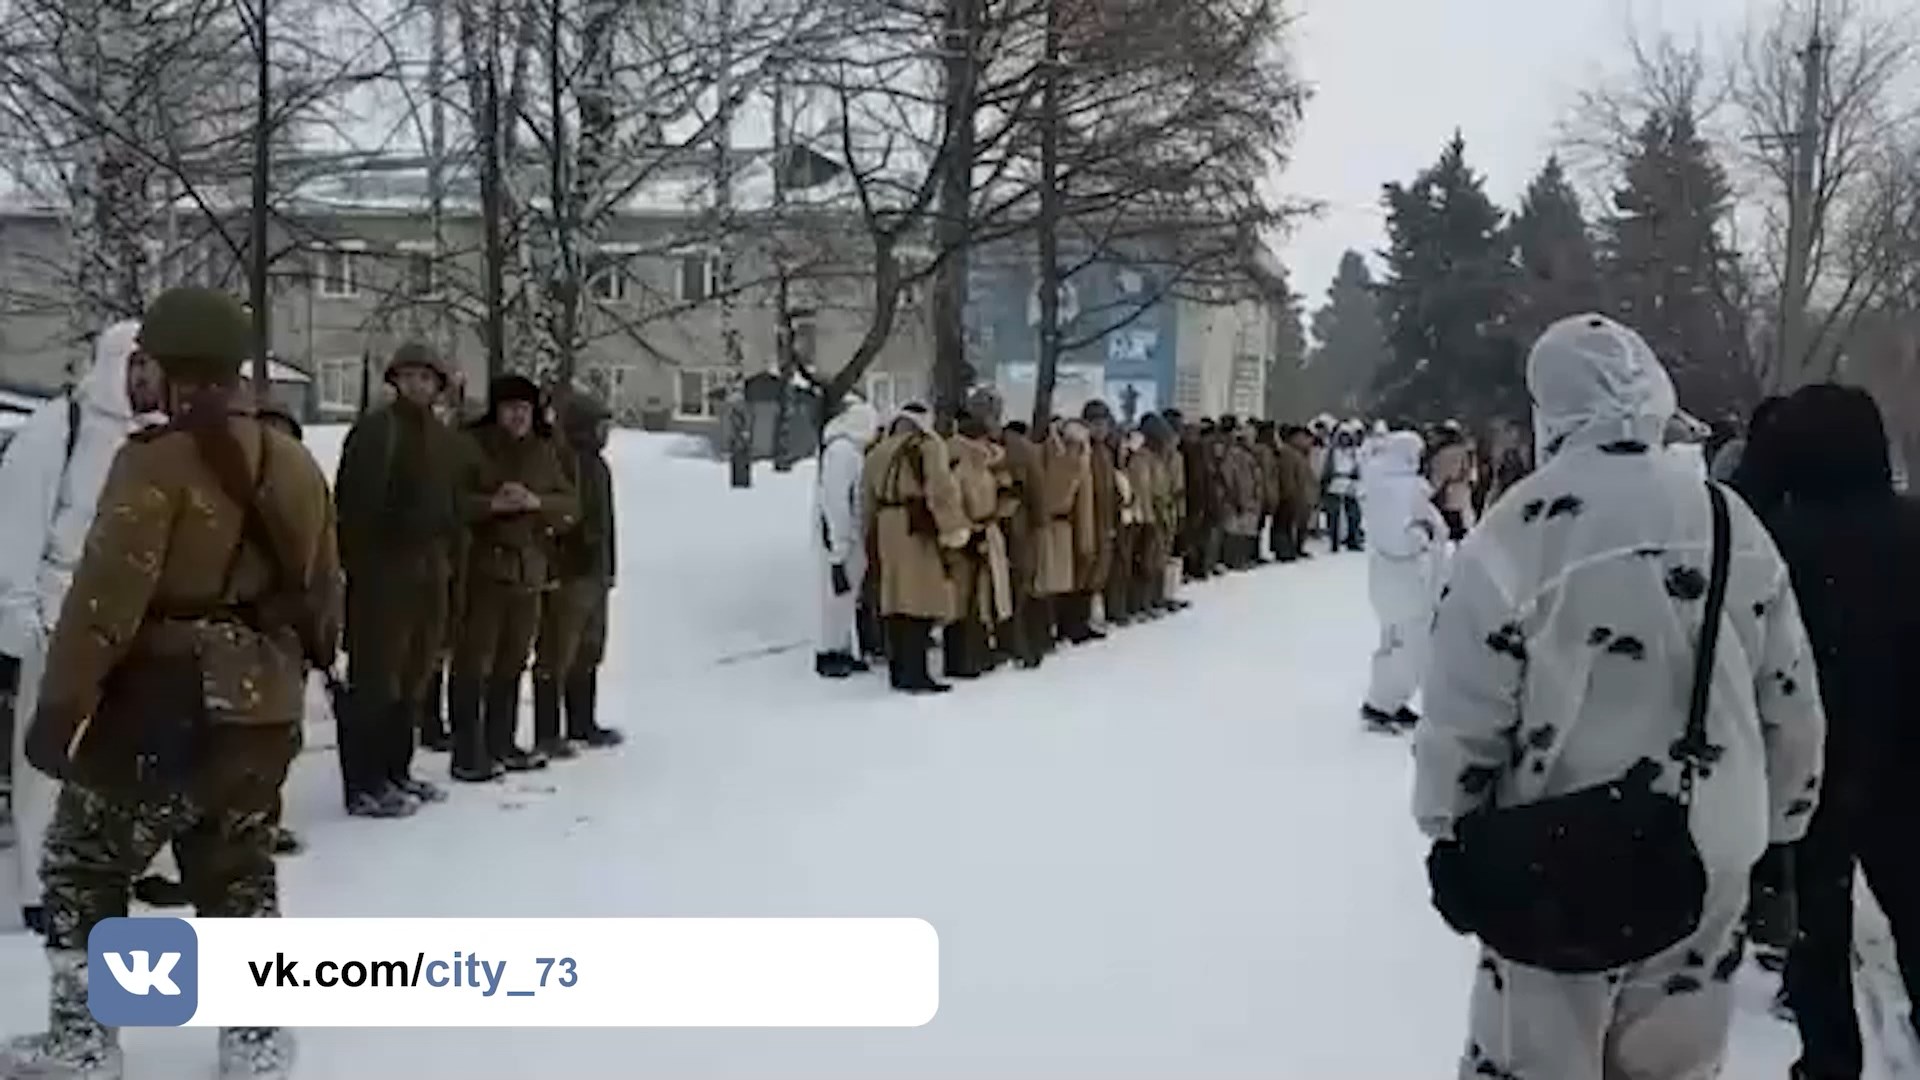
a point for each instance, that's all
(361, 272)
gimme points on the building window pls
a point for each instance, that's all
(338, 275)
(699, 277)
(806, 337)
(1246, 385)
(621, 381)
(887, 391)
(340, 382)
(698, 391)
(609, 283)
(421, 269)
(1189, 391)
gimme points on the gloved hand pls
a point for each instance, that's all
(841, 586)
(49, 740)
(1446, 874)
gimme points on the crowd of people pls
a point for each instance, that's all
(1013, 541)
(176, 567)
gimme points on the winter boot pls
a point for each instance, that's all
(907, 647)
(256, 1053)
(385, 803)
(401, 726)
(958, 656)
(546, 720)
(472, 764)
(502, 724)
(34, 918)
(75, 1045)
(433, 721)
(1407, 718)
(582, 705)
(833, 665)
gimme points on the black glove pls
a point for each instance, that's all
(841, 586)
(1446, 874)
(1773, 911)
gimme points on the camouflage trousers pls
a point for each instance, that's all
(101, 839)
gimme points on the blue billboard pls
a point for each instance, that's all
(1121, 334)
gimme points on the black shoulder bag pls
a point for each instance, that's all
(1603, 877)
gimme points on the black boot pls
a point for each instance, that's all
(908, 640)
(433, 722)
(34, 918)
(472, 763)
(582, 704)
(546, 720)
(503, 725)
(958, 658)
(833, 665)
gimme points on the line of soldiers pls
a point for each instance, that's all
(1009, 538)
(211, 584)
(475, 550)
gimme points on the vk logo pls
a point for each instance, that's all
(143, 972)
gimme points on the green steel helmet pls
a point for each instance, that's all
(197, 335)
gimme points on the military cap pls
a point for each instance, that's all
(197, 335)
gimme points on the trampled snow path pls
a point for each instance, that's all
(1174, 854)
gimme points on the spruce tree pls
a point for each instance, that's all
(1559, 272)
(1350, 341)
(1671, 271)
(1449, 299)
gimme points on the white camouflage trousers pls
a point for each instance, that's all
(1666, 1019)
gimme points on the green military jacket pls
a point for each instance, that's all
(399, 497)
(515, 550)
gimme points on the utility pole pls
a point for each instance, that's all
(1797, 291)
(1049, 224)
(954, 226)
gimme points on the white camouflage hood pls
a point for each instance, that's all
(1595, 381)
(104, 387)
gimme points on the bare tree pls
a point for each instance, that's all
(1828, 110)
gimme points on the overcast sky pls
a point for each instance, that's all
(1394, 78)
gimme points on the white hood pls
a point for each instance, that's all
(858, 422)
(104, 387)
(1593, 382)
(1396, 499)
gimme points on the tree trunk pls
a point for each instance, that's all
(257, 254)
(1049, 223)
(437, 168)
(952, 374)
(565, 279)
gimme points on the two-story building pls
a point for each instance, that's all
(359, 267)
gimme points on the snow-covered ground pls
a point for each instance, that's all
(1171, 855)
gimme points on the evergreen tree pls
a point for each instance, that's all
(1559, 272)
(1350, 342)
(1449, 299)
(1670, 270)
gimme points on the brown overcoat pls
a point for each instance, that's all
(902, 470)
(1095, 561)
(981, 585)
(1021, 513)
(1066, 497)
